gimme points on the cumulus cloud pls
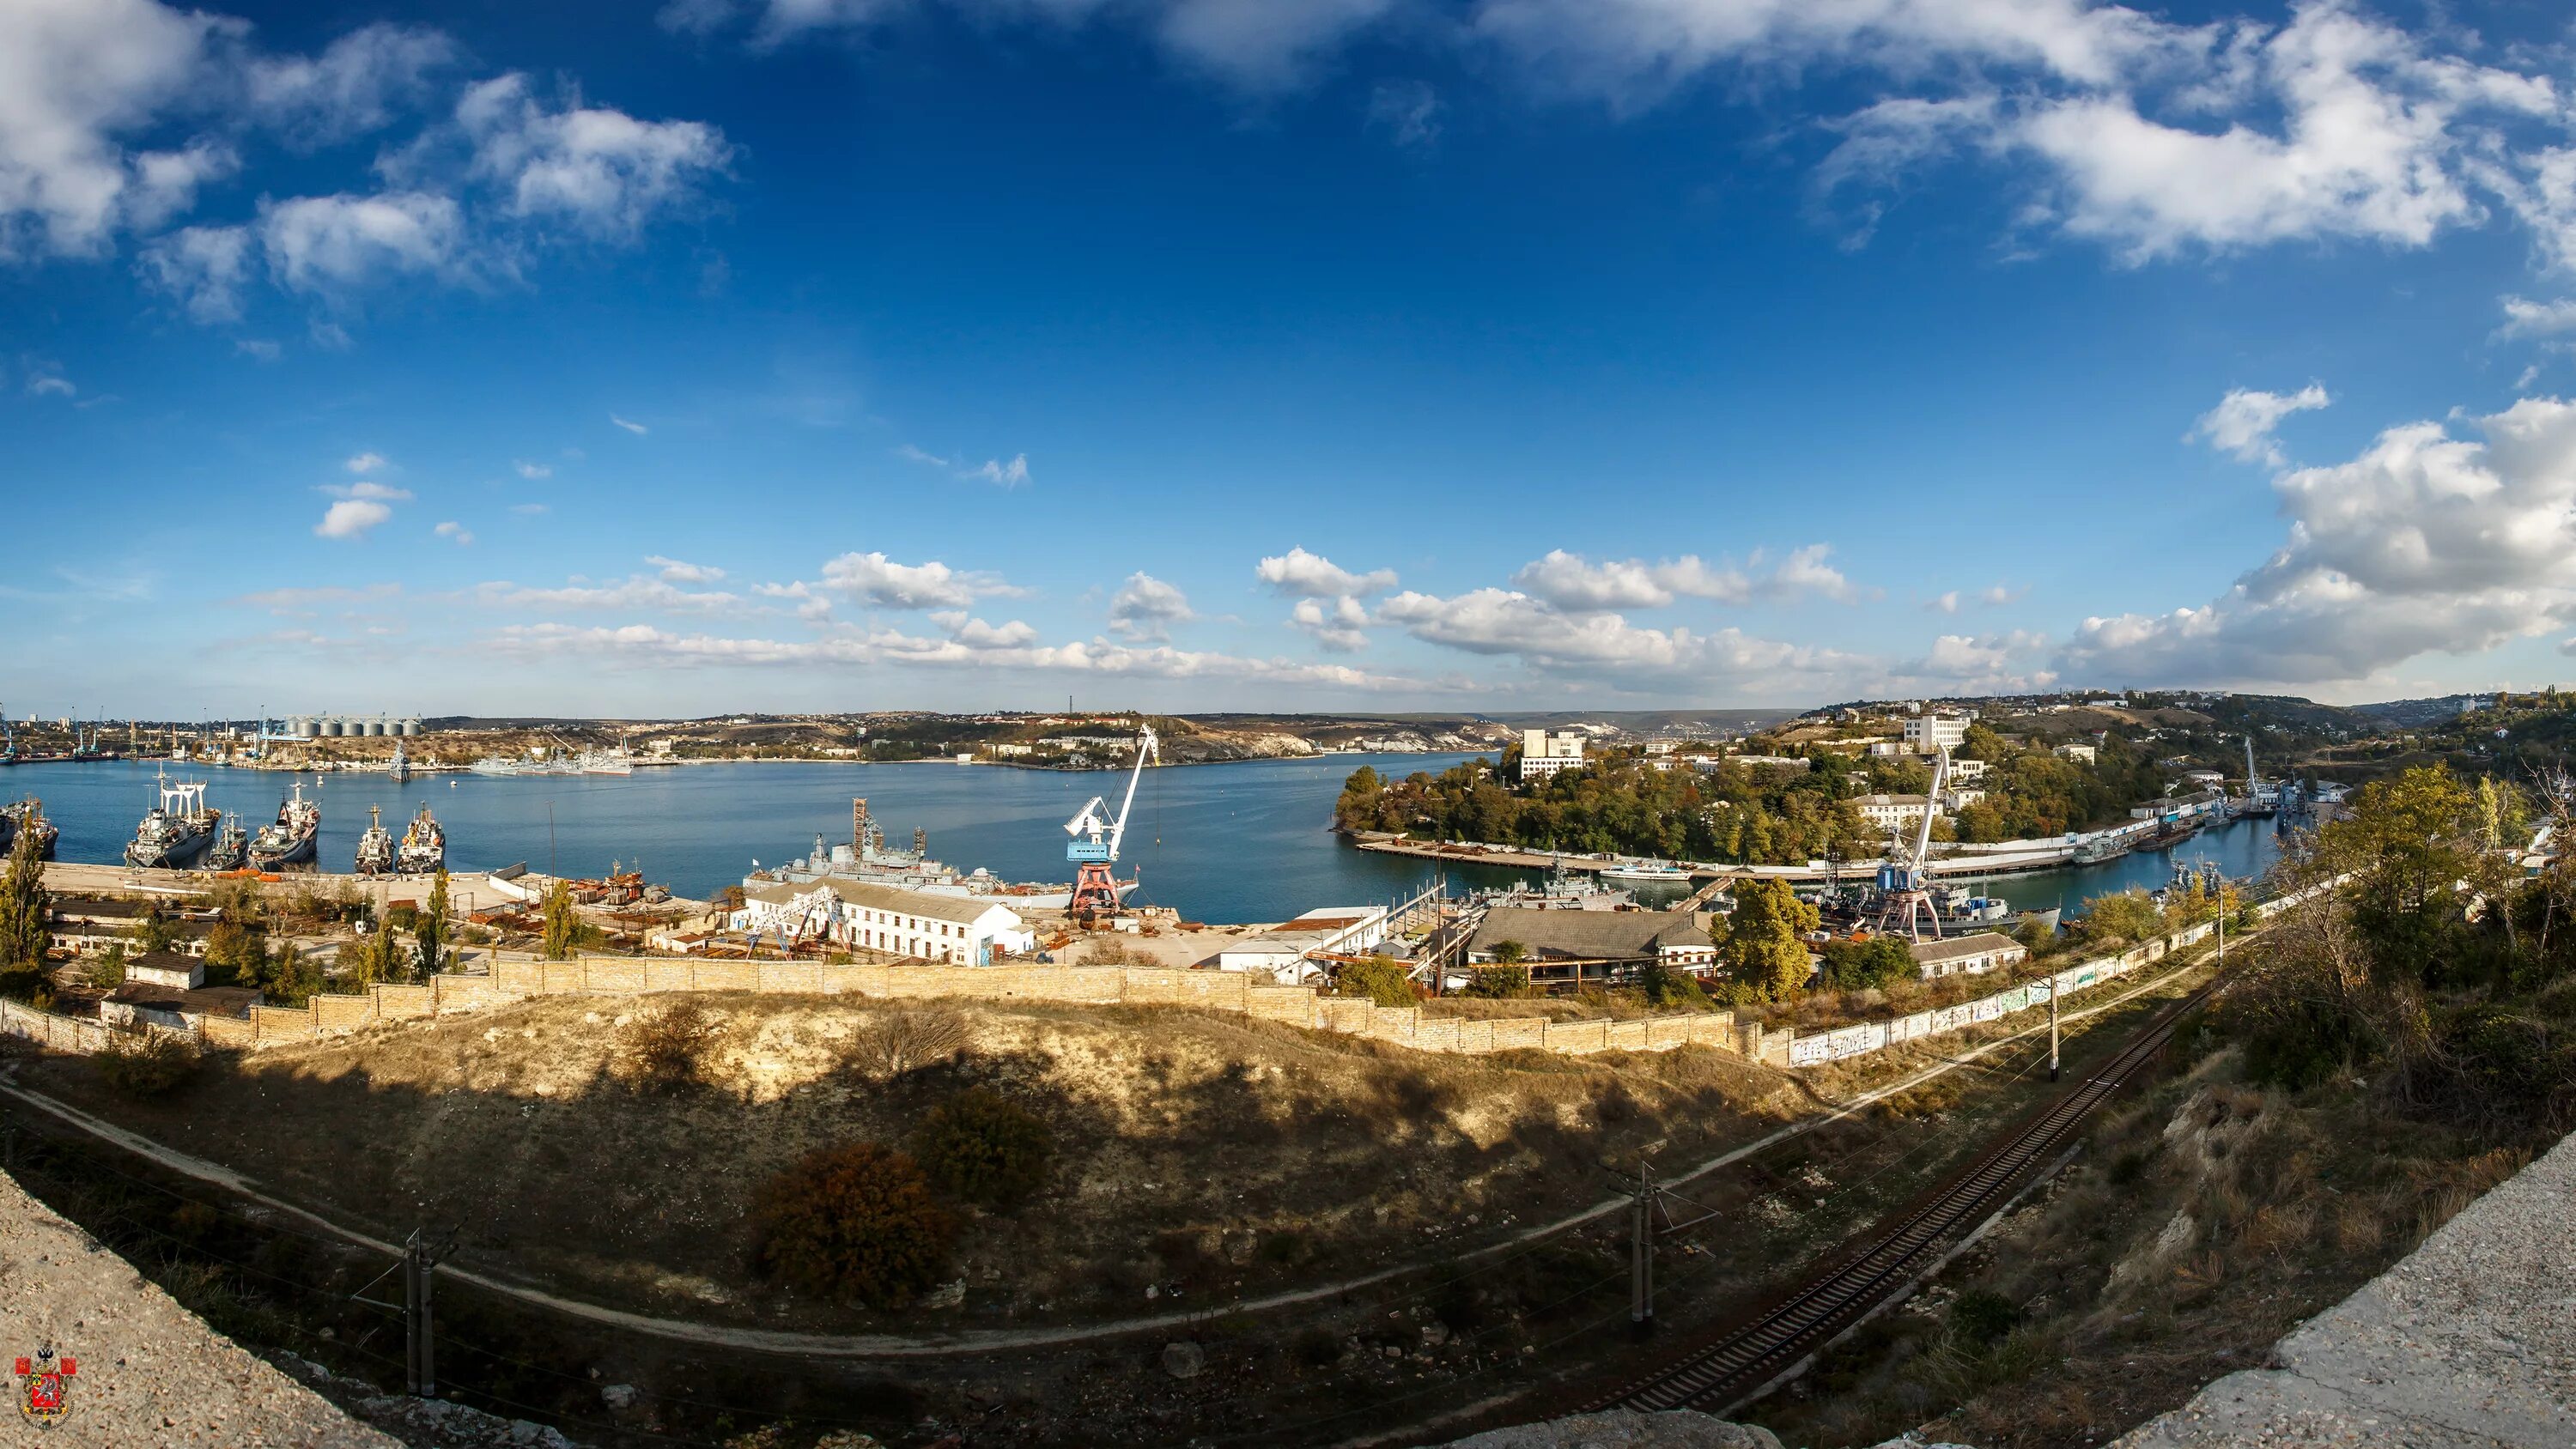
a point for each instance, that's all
(1146, 607)
(2425, 543)
(532, 471)
(2243, 422)
(367, 462)
(327, 245)
(2545, 320)
(874, 579)
(1298, 574)
(203, 269)
(594, 169)
(1340, 628)
(78, 78)
(351, 518)
(676, 572)
(456, 533)
(356, 85)
(1575, 584)
(1506, 622)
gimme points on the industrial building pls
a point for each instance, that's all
(1578, 946)
(956, 929)
(352, 726)
(1932, 733)
(1289, 952)
(1892, 812)
(1977, 954)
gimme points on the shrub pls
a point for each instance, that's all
(1499, 983)
(1378, 978)
(1984, 1316)
(665, 1050)
(897, 1042)
(857, 1224)
(984, 1149)
(146, 1063)
(1664, 987)
(1865, 965)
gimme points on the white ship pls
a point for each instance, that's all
(1646, 870)
(607, 762)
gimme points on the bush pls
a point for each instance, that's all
(984, 1149)
(897, 1042)
(1984, 1316)
(1378, 978)
(1499, 983)
(1867, 965)
(857, 1224)
(665, 1050)
(146, 1063)
(1663, 987)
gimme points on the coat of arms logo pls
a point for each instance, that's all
(45, 1385)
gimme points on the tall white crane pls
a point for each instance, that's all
(1095, 837)
(1904, 889)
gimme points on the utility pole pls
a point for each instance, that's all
(2052, 1028)
(1641, 1253)
(420, 1271)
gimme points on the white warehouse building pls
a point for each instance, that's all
(1931, 733)
(957, 930)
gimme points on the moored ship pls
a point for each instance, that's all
(400, 768)
(231, 850)
(607, 762)
(175, 833)
(376, 847)
(424, 846)
(27, 817)
(291, 838)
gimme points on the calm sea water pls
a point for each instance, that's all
(1249, 841)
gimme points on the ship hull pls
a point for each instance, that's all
(181, 854)
(298, 852)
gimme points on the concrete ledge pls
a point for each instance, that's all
(2470, 1341)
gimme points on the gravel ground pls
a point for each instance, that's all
(2469, 1342)
(149, 1372)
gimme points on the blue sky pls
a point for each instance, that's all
(1315, 354)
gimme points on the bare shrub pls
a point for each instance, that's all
(909, 1039)
(666, 1050)
(146, 1063)
(857, 1224)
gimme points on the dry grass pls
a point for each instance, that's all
(1188, 1144)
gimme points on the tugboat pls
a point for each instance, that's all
(376, 847)
(231, 850)
(290, 839)
(27, 817)
(424, 846)
(174, 834)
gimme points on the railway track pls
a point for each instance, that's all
(1751, 1357)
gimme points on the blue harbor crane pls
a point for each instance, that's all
(1904, 884)
(1093, 848)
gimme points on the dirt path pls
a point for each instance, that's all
(894, 1346)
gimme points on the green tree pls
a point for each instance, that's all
(563, 923)
(2129, 915)
(432, 929)
(1766, 950)
(1500, 982)
(1865, 965)
(24, 925)
(371, 958)
(1378, 978)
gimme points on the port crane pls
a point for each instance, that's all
(1093, 848)
(1904, 887)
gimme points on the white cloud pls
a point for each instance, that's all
(456, 532)
(874, 579)
(165, 183)
(594, 168)
(369, 489)
(75, 76)
(2524, 318)
(327, 245)
(2425, 543)
(532, 471)
(1408, 111)
(964, 642)
(1944, 603)
(1804, 571)
(48, 383)
(305, 602)
(1575, 584)
(991, 470)
(1146, 607)
(367, 462)
(2243, 422)
(638, 429)
(1341, 629)
(354, 86)
(1507, 622)
(676, 572)
(1298, 574)
(260, 348)
(530, 510)
(633, 592)
(351, 518)
(203, 268)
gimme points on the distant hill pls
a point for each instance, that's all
(2417, 713)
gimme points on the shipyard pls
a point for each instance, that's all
(1288, 724)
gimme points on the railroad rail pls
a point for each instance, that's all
(1759, 1353)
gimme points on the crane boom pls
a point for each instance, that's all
(1145, 745)
(1931, 803)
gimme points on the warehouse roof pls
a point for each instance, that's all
(1588, 935)
(1959, 948)
(963, 909)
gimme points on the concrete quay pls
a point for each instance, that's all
(2469, 1343)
